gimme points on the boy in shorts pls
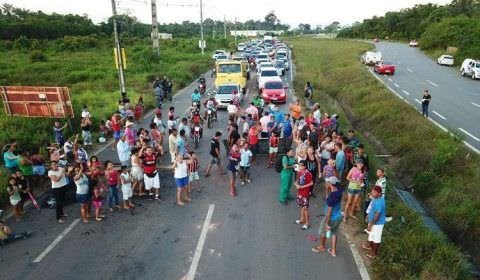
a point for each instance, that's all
(150, 173)
(273, 148)
(303, 183)
(193, 178)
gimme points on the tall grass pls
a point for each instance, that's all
(445, 177)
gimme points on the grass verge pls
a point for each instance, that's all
(434, 161)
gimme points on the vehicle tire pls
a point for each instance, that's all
(462, 72)
(196, 141)
(209, 122)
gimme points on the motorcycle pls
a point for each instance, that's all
(196, 104)
(202, 86)
(196, 135)
(210, 118)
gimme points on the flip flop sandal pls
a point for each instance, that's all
(317, 250)
(330, 251)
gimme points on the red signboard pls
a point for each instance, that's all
(50, 102)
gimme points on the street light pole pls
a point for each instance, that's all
(121, 73)
(201, 28)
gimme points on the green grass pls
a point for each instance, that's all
(437, 163)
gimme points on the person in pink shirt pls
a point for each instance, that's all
(252, 110)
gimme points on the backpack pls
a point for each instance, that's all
(278, 164)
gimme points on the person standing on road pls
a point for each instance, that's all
(303, 184)
(137, 173)
(181, 178)
(333, 217)
(172, 145)
(233, 166)
(112, 180)
(376, 221)
(287, 129)
(296, 110)
(82, 192)
(286, 175)
(355, 177)
(59, 183)
(426, 98)
(340, 160)
(245, 160)
(157, 88)
(150, 173)
(215, 154)
(126, 183)
(123, 150)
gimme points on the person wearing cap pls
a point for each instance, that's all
(303, 184)
(355, 177)
(333, 216)
(376, 221)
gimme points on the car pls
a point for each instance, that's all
(224, 94)
(285, 60)
(281, 68)
(376, 40)
(241, 47)
(274, 91)
(470, 67)
(446, 60)
(221, 57)
(371, 58)
(413, 43)
(264, 64)
(383, 67)
(267, 74)
(217, 53)
(263, 56)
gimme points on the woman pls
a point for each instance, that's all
(86, 126)
(10, 159)
(82, 193)
(313, 165)
(181, 178)
(137, 173)
(15, 199)
(288, 162)
(233, 166)
(355, 177)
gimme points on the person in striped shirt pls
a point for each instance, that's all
(193, 178)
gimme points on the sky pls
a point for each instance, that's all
(293, 12)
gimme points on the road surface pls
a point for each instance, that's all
(216, 236)
(455, 99)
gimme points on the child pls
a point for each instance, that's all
(245, 161)
(193, 167)
(112, 181)
(329, 171)
(97, 202)
(303, 184)
(273, 148)
(15, 199)
(126, 188)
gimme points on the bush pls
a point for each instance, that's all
(22, 43)
(38, 56)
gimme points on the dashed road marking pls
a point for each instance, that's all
(439, 115)
(56, 241)
(432, 83)
(469, 134)
(475, 104)
(396, 85)
(409, 70)
(418, 101)
(406, 92)
(390, 79)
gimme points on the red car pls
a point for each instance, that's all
(383, 67)
(275, 92)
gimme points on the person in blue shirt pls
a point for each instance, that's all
(340, 160)
(376, 220)
(196, 97)
(287, 131)
(333, 216)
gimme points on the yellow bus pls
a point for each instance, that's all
(231, 72)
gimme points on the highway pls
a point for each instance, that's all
(455, 102)
(216, 236)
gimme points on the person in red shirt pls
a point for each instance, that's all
(253, 141)
(273, 149)
(116, 128)
(150, 173)
(303, 184)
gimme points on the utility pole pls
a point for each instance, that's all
(224, 27)
(235, 31)
(121, 73)
(154, 35)
(213, 29)
(201, 28)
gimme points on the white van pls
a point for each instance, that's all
(371, 58)
(470, 68)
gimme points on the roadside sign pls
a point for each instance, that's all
(45, 102)
(200, 44)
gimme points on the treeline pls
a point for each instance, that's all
(436, 27)
(16, 23)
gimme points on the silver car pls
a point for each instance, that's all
(224, 94)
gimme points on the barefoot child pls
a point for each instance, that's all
(127, 192)
(194, 179)
(97, 202)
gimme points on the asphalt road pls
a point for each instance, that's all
(455, 99)
(216, 236)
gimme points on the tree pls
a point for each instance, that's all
(271, 19)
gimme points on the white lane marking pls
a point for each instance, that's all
(418, 101)
(56, 241)
(390, 79)
(432, 83)
(439, 125)
(201, 243)
(471, 147)
(362, 269)
(406, 92)
(396, 85)
(469, 134)
(409, 70)
(440, 116)
(475, 104)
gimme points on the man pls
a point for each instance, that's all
(340, 160)
(317, 115)
(196, 97)
(169, 86)
(296, 110)
(172, 145)
(184, 126)
(258, 102)
(123, 150)
(232, 110)
(333, 217)
(181, 149)
(233, 136)
(57, 130)
(215, 154)
(150, 173)
(426, 98)
(243, 125)
(264, 123)
(287, 131)
(303, 184)
(59, 185)
(245, 161)
(157, 88)
(376, 221)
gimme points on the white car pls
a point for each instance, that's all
(446, 60)
(217, 53)
(241, 47)
(470, 68)
(371, 58)
(224, 94)
(267, 74)
(413, 43)
(263, 65)
(221, 57)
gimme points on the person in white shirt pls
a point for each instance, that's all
(127, 192)
(184, 126)
(123, 150)
(59, 186)
(264, 122)
(232, 110)
(245, 161)
(317, 115)
(85, 112)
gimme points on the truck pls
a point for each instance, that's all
(371, 58)
(231, 72)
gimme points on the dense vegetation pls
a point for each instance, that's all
(436, 27)
(444, 176)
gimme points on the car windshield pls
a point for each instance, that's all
(222, 57)
(448, 57)
(218, 52)
(280, 64)
(226, 89)
(229, 68)
(273, 85)
(264, 56)
(268, 73)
